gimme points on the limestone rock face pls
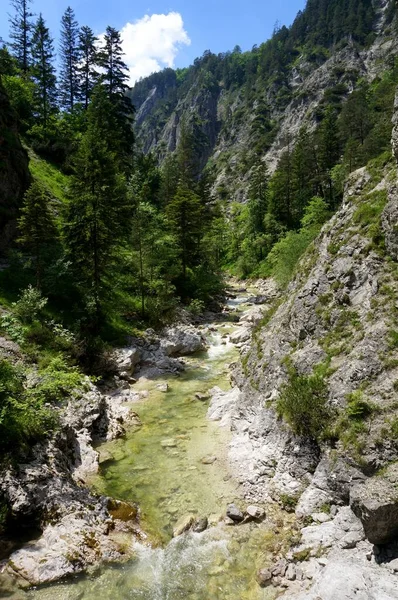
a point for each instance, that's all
(375, 502)
(14, 172)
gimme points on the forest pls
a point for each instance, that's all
(111, 240)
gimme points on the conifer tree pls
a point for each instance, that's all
(114, 80)
(70, 57)
(37, 226)
(97, 219)
(21, 28)
(115, 74)
(88, 64)
(43, 72)
(184, 214)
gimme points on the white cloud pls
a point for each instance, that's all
(152, 43)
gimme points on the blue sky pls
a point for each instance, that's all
(181, 32)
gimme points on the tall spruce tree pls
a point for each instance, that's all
(37, 226)
(43, 72)
(70, 57)
(115, 70)
(114, 80)
(88, 64)
(21, 28)
(97, 219)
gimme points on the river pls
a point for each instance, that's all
(173, 465)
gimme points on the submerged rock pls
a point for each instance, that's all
(169, 443)
(208, 460)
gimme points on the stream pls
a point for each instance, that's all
(173, 465)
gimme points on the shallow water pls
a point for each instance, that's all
(159, 465)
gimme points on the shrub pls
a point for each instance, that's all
(23, 418)
(303, 403)
(30, 305)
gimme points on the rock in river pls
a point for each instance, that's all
(234, 513)
(183, 524)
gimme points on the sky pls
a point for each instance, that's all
(170, 33)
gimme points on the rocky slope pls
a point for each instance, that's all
(14, 172)
(226, 115)
(338, 318)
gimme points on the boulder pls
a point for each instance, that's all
(264, 577)
(200, 525)
(375, 503)
(183, 525)
(163, 387)
(126, 360)
(255, 512)
(234, 513)
(180, 341)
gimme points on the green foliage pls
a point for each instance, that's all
(303, 403)
(30, 305)
(36, 226)
(357, 407)
(24, 418)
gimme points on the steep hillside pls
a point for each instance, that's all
(253, 104)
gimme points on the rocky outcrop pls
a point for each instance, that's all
(14, 171)
(77, 526)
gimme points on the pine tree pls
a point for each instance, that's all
(97, 219)
(115, 74)
(21, 27)
(70, 57)
(184, 214)
(88, 64)
(114, 80)
(43, 72)
(37, 226)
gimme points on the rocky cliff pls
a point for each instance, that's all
(14, 171)
(232, 116)
(337, 321)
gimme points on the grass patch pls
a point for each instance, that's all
(50, 176)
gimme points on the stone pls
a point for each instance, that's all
(202, 396)
(183, 525)
(208, 460)
(376, 504)
(255, 512)
(234, 513)
(163, 387)
(169, 443)
(264, 577)
(200, 525)
(290, 572)
(180, 341)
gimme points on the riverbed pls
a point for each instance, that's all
(175, 464)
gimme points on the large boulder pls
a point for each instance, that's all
(180, 341)
(375, 502)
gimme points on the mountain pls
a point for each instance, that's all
(246, 105)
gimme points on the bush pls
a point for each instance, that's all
(23, 419)
(30, 305)
(303, 403)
